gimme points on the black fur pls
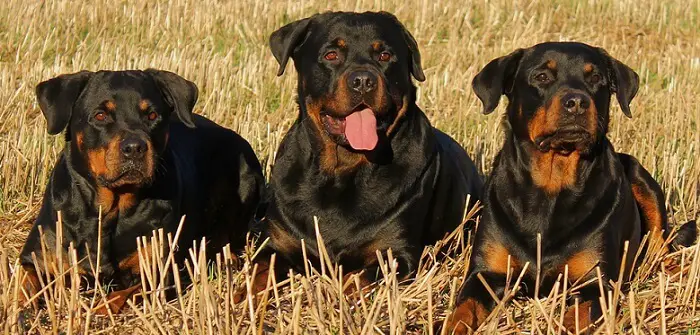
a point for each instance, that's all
(404, 194)
(186, 165)
(557, 175)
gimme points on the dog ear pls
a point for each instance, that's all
(57, 96)
(496, 79)
(180, 93)
(416, 68)
(285, 40)
(414, 53)
(624, 82)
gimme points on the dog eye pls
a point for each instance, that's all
(331, 55)
(542, 77)
(152, 116)
(595, 78)
(100, 116)
(384, 56)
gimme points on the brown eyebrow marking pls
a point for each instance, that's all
(588, 68)
(551, 64)
(341, 43)
(144, 104)
(110, 105)
(376, 46)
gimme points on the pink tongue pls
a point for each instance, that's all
(361, 129)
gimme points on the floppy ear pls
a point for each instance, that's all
(57, 96)
(496, 79)
(285, 40)
(624, 82)
(180, 93)
(416, 68)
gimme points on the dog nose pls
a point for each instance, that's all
(362, 81)
(133, 147)
(576, 102)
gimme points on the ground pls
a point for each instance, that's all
(222, 46)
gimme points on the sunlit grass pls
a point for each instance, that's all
(222, 46)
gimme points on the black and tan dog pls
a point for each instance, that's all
(557, 175)
(361, 157)
(136, 154)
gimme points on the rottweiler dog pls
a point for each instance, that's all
(361, 157)
(558, 175)
(137, 158)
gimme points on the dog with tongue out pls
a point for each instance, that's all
(361, 157)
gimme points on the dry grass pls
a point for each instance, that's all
(221, 45)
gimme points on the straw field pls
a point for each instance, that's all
(222, 46)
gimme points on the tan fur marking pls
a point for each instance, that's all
(30, 286)
(651, 212)
(131, 263)
(592, 115)
(588, 68)
(399, 116)
(30, 282)
(553, 172)
(552, 64)
(338, 101)
(259, 282)
(110, 106)
(126, 201)
(469, 315)
(144, 105)
(546, 119)
(105, 199)
(79, 137)
(104, 161)
(349, 283)
(342, 43)
(113, 203)
(376, 46)
(496, 257)
(282, 241)
(582, 263)
(117, 300)
(584, 317)
(150, 163)
(97, 162)
(334, 159)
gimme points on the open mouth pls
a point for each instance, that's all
(565, 140)
(359, 128)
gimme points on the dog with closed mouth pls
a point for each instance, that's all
(557, 175)
(362, 157)
(137, 159)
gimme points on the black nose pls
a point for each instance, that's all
(133, 147)
(576, 102)
(362, 81)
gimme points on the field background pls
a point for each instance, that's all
(222, 46)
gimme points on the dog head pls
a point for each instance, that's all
(117, 121)
(354, 73)
(558, 92)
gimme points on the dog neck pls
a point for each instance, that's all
(533, 188)
(553, 172)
